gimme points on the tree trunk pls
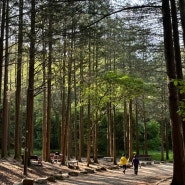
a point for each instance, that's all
(125, 128)
(114, 136)
(89, 134)
(130, 131)
(17, 148)
(63, 149)
(178, 62)
(177, 135)
(95, 139)
(49, 78)
(5, 98)
(81, 124)
(44, 105)
(145, 129)
(30, 90)
(137, 128)
(2, 43)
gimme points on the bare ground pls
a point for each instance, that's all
(11, 171)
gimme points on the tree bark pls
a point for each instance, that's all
(17, 148)
(30, 91)
(5, 98)
(2, 43)
(49, 78)
(177, 133)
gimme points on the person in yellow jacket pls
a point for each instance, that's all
(123, 162)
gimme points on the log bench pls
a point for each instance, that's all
(73, 162)
(144, 157)
(108, 159)
(34, 158)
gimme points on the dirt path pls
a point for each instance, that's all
(158, 174)
(11, 171)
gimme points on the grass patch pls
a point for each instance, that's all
(156, 155)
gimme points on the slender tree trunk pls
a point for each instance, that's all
(114, 136)
(89, 134)
(130, 131)
(75, 114)
(2, 43)
(145, 129)
(63, 149)
(125, 128)
(18, 86)
(5, 98)
(89, 109)
(49, 78)
(95, 140)
(81, 124)
(137, 128)
(44, 105)
(108, 130)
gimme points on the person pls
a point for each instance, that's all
(135, 163)
(123, 162)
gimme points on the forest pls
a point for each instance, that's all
(92, 78)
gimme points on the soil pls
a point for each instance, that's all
(11, 172)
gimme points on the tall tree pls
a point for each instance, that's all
(18, 82)
(3, 16)
(5, 97)
(176, 123)
(30, 90)
(49, 79)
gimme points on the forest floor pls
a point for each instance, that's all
(11, 172)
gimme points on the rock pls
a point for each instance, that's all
(113, 167)
(51, 178)
(89, 170)
(27, 181)
(98, 169)
(18, 183)
(73, 173)
(65, 175)
(83, 172)
(103, 169)
(59, 176)
(41, 181)
(149, 163)
(156, 162)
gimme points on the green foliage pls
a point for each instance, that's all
(131, 86)
(153, 135)
(181, 85)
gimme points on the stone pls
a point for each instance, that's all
(65, 175)
(89, 170)
(73, 173)
(156, 162)
(83, 172)
(59, 176)
(103, 168)
(51, 179)
(27, 181)
(18, 183)
(41, 181)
